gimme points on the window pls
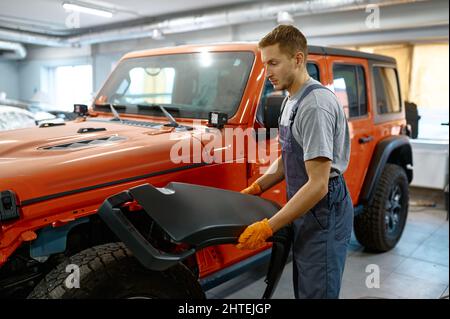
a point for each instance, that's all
(313, 71)
(71, 85)
(191, 84)
(429, 89)
(387, 90)
(350, 87)
(159, 81)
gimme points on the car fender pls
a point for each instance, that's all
(393, 149)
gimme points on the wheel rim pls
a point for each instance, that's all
(393, 211)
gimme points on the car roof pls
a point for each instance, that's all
(253, 46)
(349, 53)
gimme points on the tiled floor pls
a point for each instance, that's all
(418, 267)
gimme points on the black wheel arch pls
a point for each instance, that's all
(394, 150)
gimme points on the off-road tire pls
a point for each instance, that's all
(110, 271)
(376, 228)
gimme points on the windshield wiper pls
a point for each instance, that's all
(113, 107)
(116, 115)
(173, 122)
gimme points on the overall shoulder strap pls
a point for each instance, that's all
(282, 108)
(308, 90)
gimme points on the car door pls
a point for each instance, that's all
(350, 83)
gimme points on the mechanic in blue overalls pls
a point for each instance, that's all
(315, 144)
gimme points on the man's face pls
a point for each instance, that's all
(281, 68)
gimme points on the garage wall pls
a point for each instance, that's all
(103, 57)
(31, 71)
(340, 29)
(9, 80)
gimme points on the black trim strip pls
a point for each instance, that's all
(313, 49)
(125, 180)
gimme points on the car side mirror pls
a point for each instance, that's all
(272, 108)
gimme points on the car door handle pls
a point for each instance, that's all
(367, 139)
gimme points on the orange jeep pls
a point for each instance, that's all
(132, 199)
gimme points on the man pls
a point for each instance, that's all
(315, 144)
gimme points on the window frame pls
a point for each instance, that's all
(398, 87)
(355, 65)
(386, 117)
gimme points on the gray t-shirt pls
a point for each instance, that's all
(320, 127)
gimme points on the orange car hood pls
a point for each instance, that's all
(31, 168)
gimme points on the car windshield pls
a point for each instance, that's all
(187, 85)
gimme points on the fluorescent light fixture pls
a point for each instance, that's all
(285, 17)
(157, 34)
(89, 10)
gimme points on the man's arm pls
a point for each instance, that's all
(273, 175)
(318, 170)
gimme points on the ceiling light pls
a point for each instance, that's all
(88, 10)
(285, 17)
(157, 34)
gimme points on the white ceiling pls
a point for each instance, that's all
(48, 15)
(45, 22)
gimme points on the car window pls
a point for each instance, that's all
(313, 71)
(362, 96)
(350, 87)
(387, 90)
(192, 83)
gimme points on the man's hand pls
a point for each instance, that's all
(253, 189)
(255, 235)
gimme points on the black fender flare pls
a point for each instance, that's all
(196, 216)
(393, 149)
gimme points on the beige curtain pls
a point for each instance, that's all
(423, 71)
(429, 76)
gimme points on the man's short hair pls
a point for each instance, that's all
(289, 38)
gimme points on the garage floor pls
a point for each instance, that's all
(418, 267)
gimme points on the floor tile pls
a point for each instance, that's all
(401, 285)
(424, 270)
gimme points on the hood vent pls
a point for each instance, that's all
(85, 143)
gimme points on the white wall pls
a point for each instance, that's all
(30, 70)
(9, 79)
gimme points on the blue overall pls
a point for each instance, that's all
(322, 235)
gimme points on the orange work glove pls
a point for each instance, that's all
(253, 189)
(255, 235)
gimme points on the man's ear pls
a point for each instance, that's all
(299, 58)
